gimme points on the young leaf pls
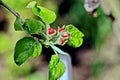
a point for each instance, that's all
(18, 24)
(44, 13)
(33, 26)
(76, 36)
(25, 48)
(37, 49)
(34, 7)
(56, 68)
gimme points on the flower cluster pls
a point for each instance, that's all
(61, 33)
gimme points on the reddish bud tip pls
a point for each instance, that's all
(66, 35)
(63, 41)
(61, 29)
(51, 30)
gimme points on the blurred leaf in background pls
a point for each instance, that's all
(96, 29)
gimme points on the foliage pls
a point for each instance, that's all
(76, 36)
(56, 68)
(32, 46)
(95, 30)
(45, 14)
(28, 26)
(25, 48)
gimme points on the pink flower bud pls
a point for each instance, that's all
(51, 31)
(66, 35)
(63, 41)
(61, 29)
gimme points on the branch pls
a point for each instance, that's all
(7, 7)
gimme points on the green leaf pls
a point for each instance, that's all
(56, 68)
(33, 26)
(34, 7)
(76, 39)
(44, 13)
(37, 49)
(18, 24)
(25, 48)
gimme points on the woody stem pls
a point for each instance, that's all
(7, 7)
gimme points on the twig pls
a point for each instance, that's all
(7, 7)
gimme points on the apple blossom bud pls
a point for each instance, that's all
(51, 30)
(63, 41)
(66, 35)
(61, 29)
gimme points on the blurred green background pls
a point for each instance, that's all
(98, 57)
